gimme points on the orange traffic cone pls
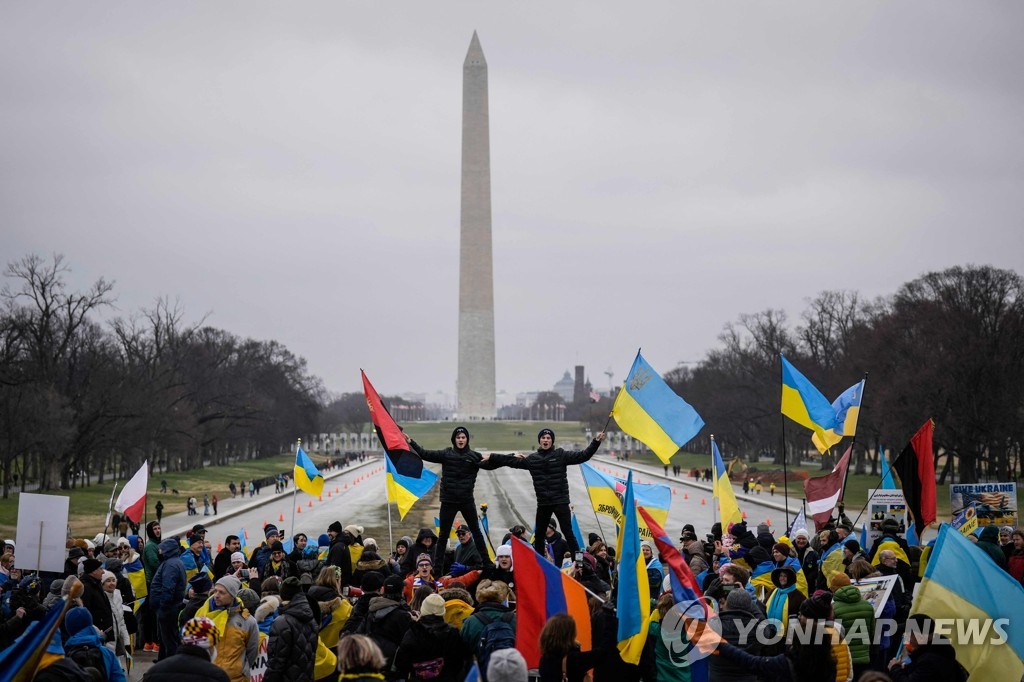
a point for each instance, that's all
(280, 517)
(336, 489)
(298, 510)
(767, 521)
(310, 503)
(328, 493)
(320, 498)
(673, 491)
(219, 547)
(744, 516)
(346, 486)
(686, 496)
(703, 501)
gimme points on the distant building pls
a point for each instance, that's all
(565, 387)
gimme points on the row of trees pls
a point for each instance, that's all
(79, 398)
(948, 346)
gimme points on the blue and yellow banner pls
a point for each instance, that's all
(650, 411)
(847, 409)
(966, 586)
(606, 493)
(307, 476)
(633, 604)
(803, 403)
(19, 661)
(723, 492)
(405, 490)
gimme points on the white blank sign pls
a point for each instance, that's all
(52, 512)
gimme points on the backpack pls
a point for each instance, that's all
(497, 634)
(87, 656)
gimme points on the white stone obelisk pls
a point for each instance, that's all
(476, 384)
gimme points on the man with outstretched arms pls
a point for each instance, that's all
(547, 466)
(459, 467)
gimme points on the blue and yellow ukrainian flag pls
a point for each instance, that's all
(307, 476)
(647, 409)
(405, 490)
(803, 403)
(962, 583)
(19, 661)
(847, 409)
(634, 599)
(137, 577)
(606, 494)
(727, 506)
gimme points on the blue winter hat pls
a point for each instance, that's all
(324, 540)
(77, 619)
(201, 583)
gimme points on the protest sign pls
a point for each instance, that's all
(994, 503)
(876, 591)
(966, 520)
(42, 532)
(885, 504)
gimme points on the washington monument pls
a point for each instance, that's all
(476, 385)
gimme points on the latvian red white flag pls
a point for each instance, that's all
(823, 492)
(132, 500)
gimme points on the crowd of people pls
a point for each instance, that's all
(339, 606)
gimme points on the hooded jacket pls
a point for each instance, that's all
(548, 469)
(370, 562)
(340, 556)
(89, 637)
(386, 624)
(988, 541)
(430, 645)
(150, 552)
(458, 469)
(930, 663)
(291, 651)
(733, 623)
(851, 611)
(167, 590)
(409, 563)
(190, 664)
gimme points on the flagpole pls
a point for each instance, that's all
(110, 507)
(592, 507)
(387, 500)
(785, 465)
(716, 501)
(295, 491)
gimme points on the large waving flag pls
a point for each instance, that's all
(132, 500)
(888, 483)
(916, 468)
(647, 409)
(962, 583)
(803, 403)
(823, 492)
(543, 591)
(19, 661)
(685, 587)
(634, 597)
(405, 490)
(606, 494)
(407, 462)
(307, 477)
(847, 409)
(723, 492)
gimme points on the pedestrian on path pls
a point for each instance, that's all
(159, 510)
(214, 501)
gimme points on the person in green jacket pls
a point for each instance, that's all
(857, 617)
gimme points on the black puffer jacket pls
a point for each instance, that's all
(338, 555)
(369, 563)
(458, 469)
(548, 468)
(733, 623)
(409, 563)
(291, 649)
(94, 599)
(386, 624)
(190, 664)
(432, 647)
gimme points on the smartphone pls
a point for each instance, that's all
(245, 574)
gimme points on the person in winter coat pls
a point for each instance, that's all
(502, 567)
(122, 639)
(547, 467)
(739, 618)
(388, 619)
(222, 562)
(424, 575)
(988, 540)
(166, 593)
(95, 599)
(492, 604)
(430, 648)
(260, 556)
(151, 550)
(560, 657)
(555, 545)
(397, 560)
(807, 557)
(334, 610)
(370, 561)
(1015, 562)
(426, 543)
(890, 533)
(372, 586)
(239, 640)
(655, 571)
(291, 651)
(340, 552)
(667, 670)
(360, 660)
(192, 662)
(785, 599)
(857, 618)
(932, 658)
(459, 467)
(54, 594)
(199, 587)
(82, 634)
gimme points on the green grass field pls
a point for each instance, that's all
(89, 505)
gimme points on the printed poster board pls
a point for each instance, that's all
(50, 514)
(966, 521)
(876, 591)
(885, 504)
(994, 503)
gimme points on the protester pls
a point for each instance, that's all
(120, 636)
(739, 618)
(459, 468)
(426, 543)
(560, 657)
(334, 610)
(239, 639)
(360, 660)
(339, 553)
(492, 607)
(388, 619)
(988, 541)
(1015, 560)
(857, 617)
(932, 658)
(507, 665)
(291, 652)
(166, 594)
(192, 662)
(85, 646)
(199, 587)
(369, 561)
(430, 648)
(547, 467)
(222, 562)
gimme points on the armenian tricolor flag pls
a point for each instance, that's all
(543, 591)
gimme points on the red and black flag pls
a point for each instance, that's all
(916, 469)
(405, 461)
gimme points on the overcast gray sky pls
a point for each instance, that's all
(657, 169)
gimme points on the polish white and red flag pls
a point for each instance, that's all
(823, 492)
(132, 500)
